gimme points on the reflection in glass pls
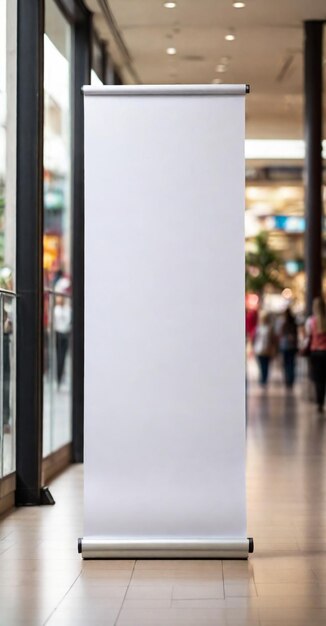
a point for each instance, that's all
(97, 63)
(7, 233)
(7, 383)
(95, 80)
(57, 372)
(7, 143)
(57, 230)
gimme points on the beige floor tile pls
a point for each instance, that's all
(37, 581)
(198, 591)
(109, 565)
(204, 603)
(240, 589)
(147, 603)
(300, 621)
(40, 576)
(35, 613)
(281, 575)
(22, 621)
(171, 617)
(305, 601)
(192, 616)
(92, 611)
(187, 565)
(38, 565)
(32, 600)
(289, 589)
(84, 589)
(158, 592)
(301, 616)
(86, 602)
(66, 619)
(237, 569)
(242, 602)
(145, 577)
(106, 576)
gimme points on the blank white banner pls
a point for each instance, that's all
(164, 322)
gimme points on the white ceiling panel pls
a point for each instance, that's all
(267, 52)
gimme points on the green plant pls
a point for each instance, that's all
(263, 266)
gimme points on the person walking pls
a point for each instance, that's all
(288, 345)
(316, 331)
(264, 345)
(62, 328)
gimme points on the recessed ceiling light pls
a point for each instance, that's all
(216, 81)
(230, 36)
(221, 67)
(171, 51)
(239, 5)
(170, 5)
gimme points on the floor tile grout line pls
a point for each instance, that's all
(125, 595)
(6, 550)
(3, 537)
(223, 579)
(252, 576)
(62, 599)
(255, 584)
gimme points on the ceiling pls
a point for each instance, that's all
(267, 52)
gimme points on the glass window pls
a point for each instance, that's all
(8, 381)
(95, 80)
(97, 64)
(57, 230)
(8, 57)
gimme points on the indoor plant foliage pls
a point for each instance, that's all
(263, 266)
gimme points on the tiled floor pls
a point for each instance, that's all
(43, 580)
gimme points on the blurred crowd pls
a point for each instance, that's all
(289, 336)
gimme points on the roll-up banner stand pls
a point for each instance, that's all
(164, 322)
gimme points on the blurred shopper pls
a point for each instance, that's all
(265, 345)
(7, 331)
(251, 323)
(288, 345)
(62, 327)
(316, 331)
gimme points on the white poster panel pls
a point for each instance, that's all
(164, 322)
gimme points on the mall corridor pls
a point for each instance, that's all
(44, 581)
(162, 214)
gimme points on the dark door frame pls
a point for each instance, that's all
(29, 229)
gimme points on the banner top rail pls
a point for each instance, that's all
(166, 90)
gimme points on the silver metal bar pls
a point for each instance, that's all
(107, 548)
(7, 292)
(166, 90)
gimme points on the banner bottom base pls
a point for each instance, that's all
(108, 548)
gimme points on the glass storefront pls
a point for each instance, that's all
(8, 57)
(276, 207)
(57, 403)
